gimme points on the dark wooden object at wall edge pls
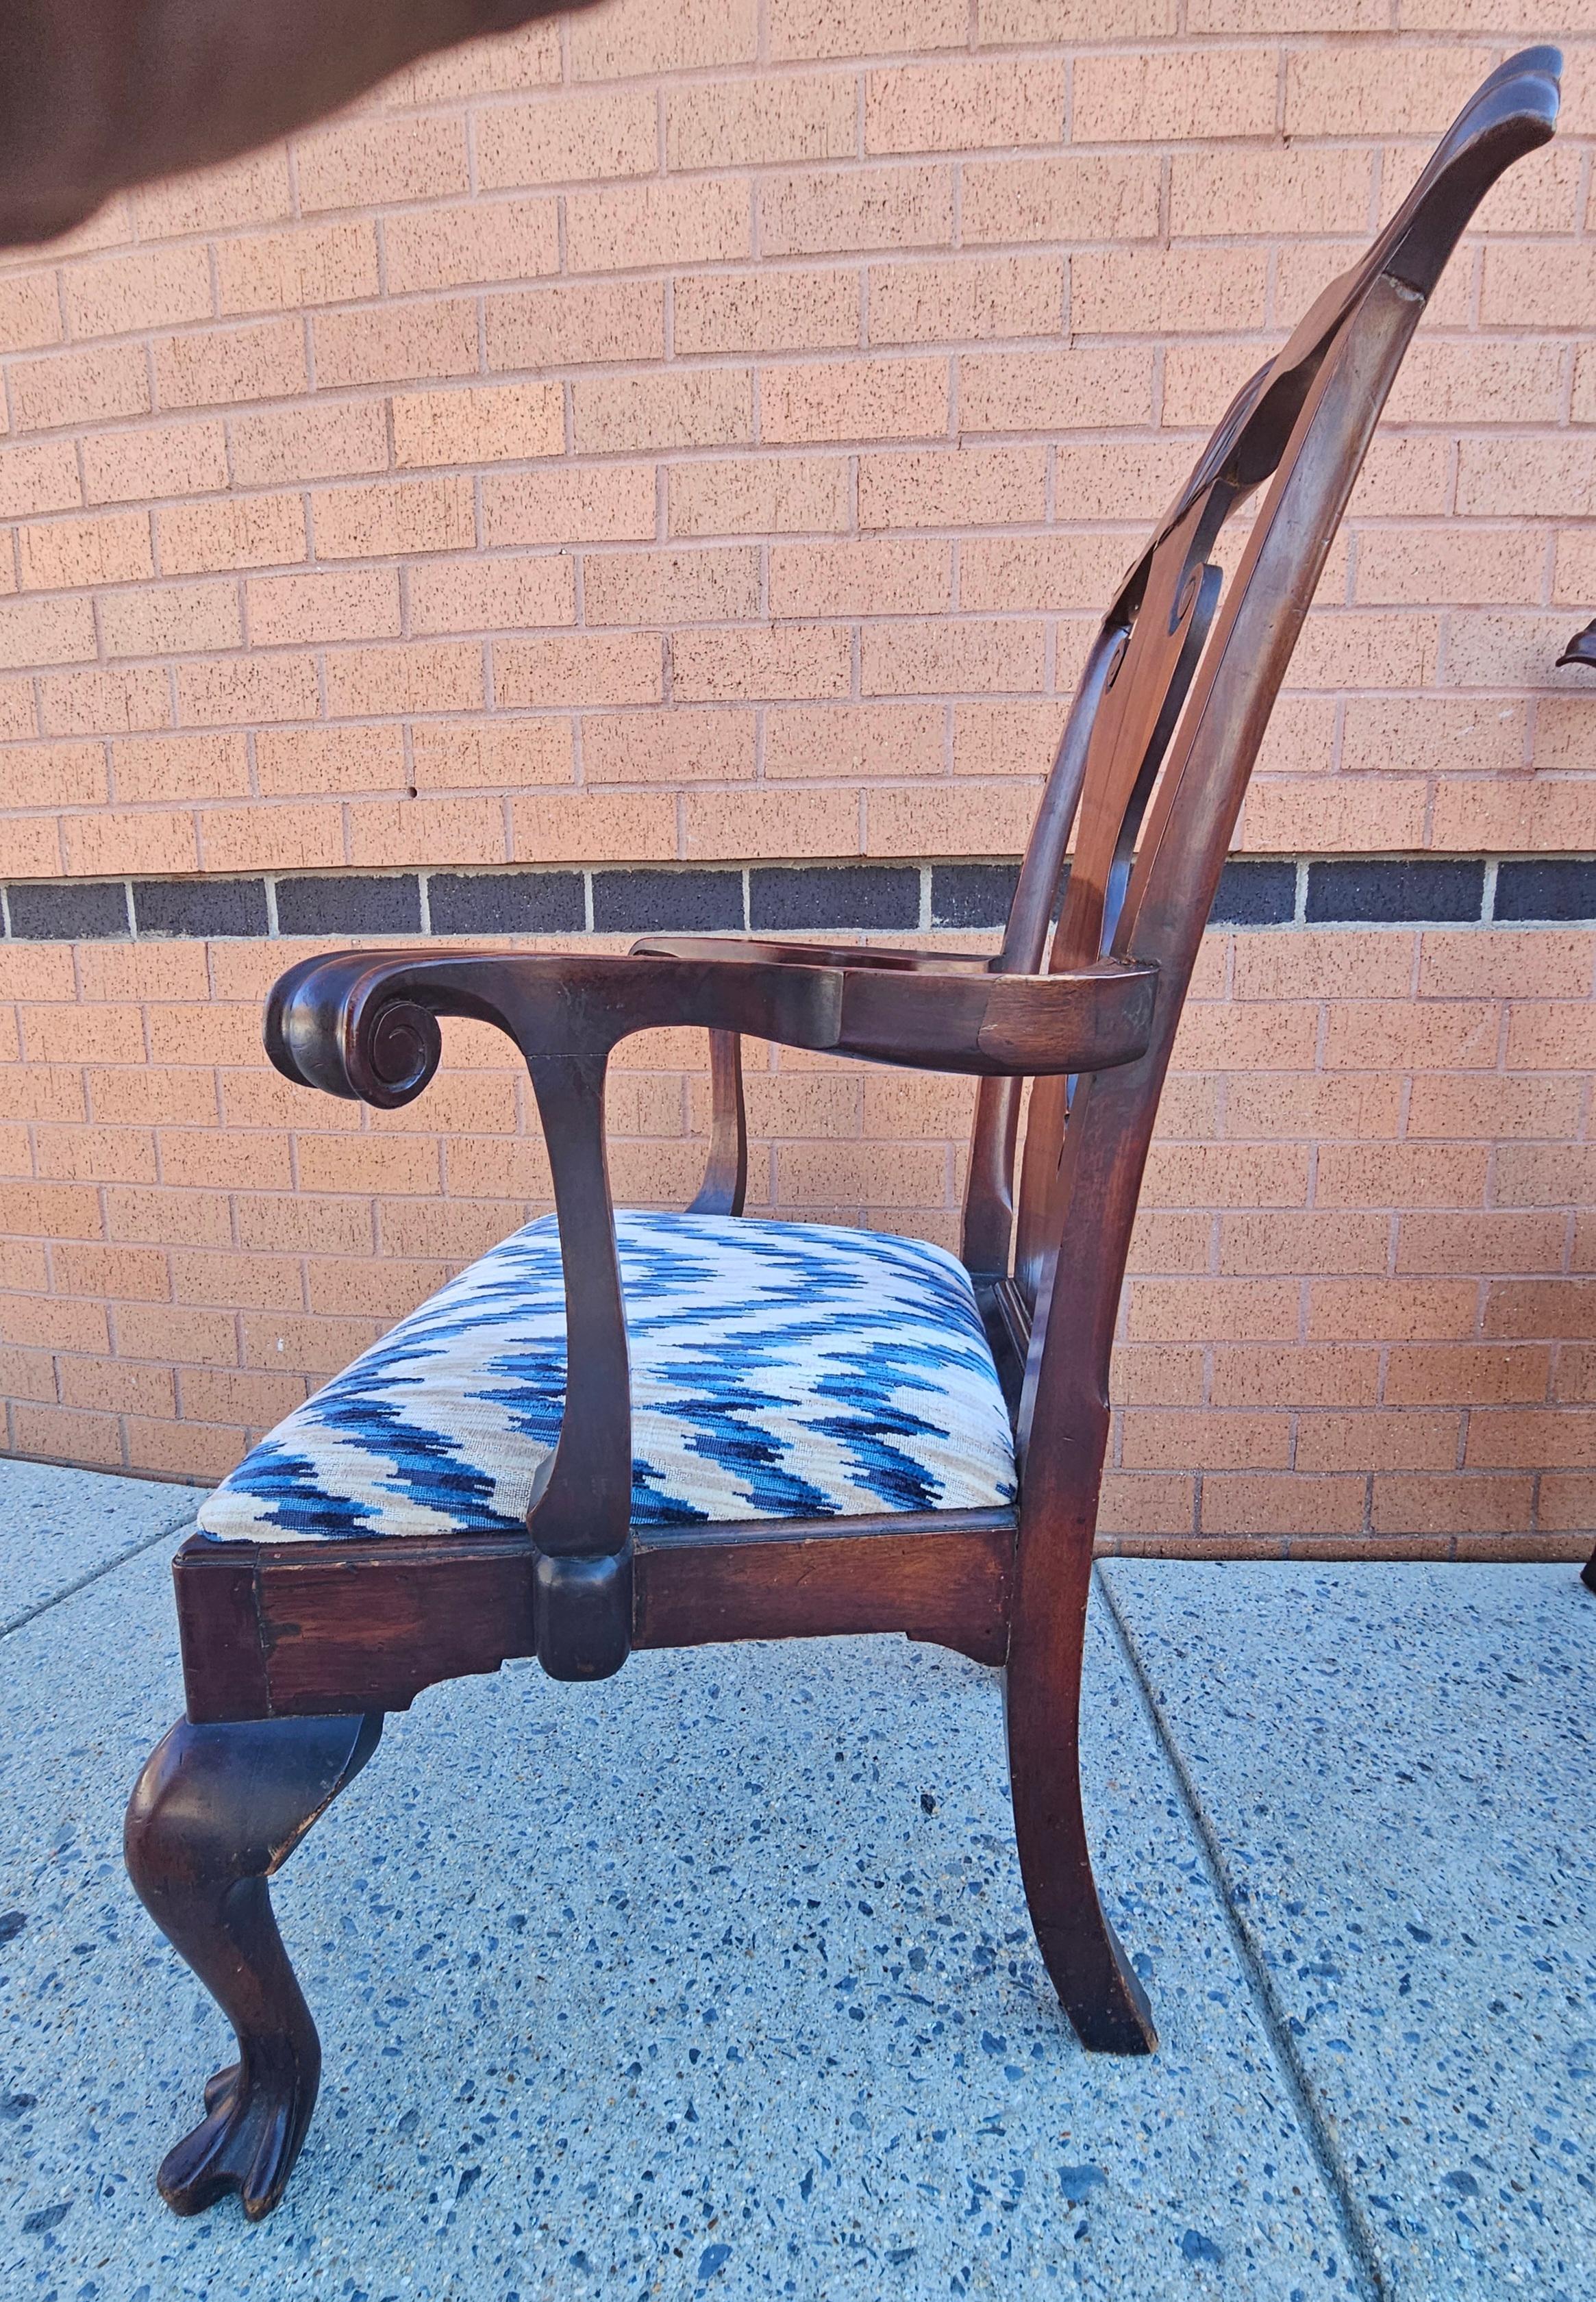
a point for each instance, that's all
(1582, 650)
(293, 1652)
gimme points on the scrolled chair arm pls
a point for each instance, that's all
(365, 1025)
(349, 1026)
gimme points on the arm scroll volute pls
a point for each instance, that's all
(353, 1027)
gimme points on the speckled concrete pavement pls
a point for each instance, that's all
(715, 1979)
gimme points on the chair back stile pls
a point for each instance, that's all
(1160, 742)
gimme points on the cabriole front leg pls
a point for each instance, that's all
(215, 1812)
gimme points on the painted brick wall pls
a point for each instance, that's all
(700, 436)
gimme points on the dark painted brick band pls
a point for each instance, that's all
(662, 903)
(201, 907)
(1545, 890)
(506, 903)
(844, 895)
(775, 898)
(973, 894)
(1256, 895)
(49, 912)
(1428, 890)
(353, 905)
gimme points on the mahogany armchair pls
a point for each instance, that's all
(768, 1430)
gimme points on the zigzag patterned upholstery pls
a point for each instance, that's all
(778, 1371)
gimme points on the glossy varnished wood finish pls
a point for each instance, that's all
(948, 1579)
(724, 1185)
(321, 1628)
(215, 1812)
(1147, 783)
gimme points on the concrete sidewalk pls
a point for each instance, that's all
(717, 1979)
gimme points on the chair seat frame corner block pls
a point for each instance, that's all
(293, 1652)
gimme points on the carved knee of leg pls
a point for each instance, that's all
(215, 1803)
(216, 1809)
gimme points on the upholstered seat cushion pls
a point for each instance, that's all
(778, 1371)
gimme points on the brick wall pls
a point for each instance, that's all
(671, 460)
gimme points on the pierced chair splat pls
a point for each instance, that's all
(643, 1429)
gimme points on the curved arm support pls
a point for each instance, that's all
(582, 1505)
(724, 1185)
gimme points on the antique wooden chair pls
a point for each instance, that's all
(815, 1431)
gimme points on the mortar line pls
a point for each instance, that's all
(31, 1614)
(1356, 2233)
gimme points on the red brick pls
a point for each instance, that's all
(599, 503)
(1316, 1374)
(965, 299)
(632, 227)
(592, 827)
(802, 28)
(849, 742)
(217, 366)
(495, 424)
(1156, 1440)
(459, 247)
(238, 532)
(310, 443)
(1466, 1374)
(358, 162)
(30, 308)
(1452, 1506)
(394, 343)
(153, 288)
(1242, 1503)
(252, 190)
(415, 675)
(286, 271)
(822, 211)
(577, 326)
(1338, 90)
(59, 1434)
(775, 495)
(171, 618)
(506, 754)
(597, 670)
(1029, 391)
(675, 587)
(774, 311)
(760, 665)
(335, 604)
(1124, 97)
(80, 387)
(742, 122)
(567, 139)
(389, 516)
(951, 107)
(690, 407)
(65, 554)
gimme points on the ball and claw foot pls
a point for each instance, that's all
(247, 2142)
(216, 1811)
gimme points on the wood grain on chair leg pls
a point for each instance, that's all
(215, 1812)
(1104, 2001)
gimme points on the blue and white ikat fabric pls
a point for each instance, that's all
(778, 1371)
